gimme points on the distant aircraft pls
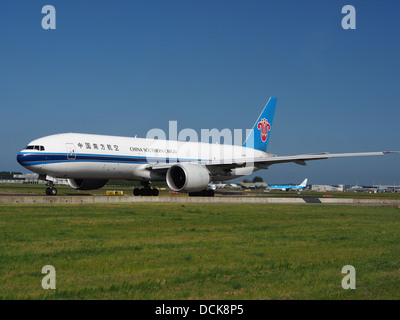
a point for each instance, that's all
(214, 186)
(88, 161)
(289, 187)
(234, 186)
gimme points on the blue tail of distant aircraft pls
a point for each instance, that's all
(259, 136)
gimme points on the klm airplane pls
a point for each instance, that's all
(289, 187)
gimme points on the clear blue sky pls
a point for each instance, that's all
(124, 67)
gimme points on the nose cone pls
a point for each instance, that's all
(20, 158)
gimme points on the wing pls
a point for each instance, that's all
(216, 167)
(301, 159)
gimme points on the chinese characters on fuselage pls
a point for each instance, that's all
(100, 146)
(115, 147)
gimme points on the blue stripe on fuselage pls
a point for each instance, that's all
(31, 159)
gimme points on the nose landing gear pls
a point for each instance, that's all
(50, 190)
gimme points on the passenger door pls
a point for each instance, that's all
(71, 155)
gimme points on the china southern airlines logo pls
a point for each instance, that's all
(264, 126)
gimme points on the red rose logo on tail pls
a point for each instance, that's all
(264, 126)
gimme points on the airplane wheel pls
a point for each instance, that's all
(51, 191)
(203, 193)
(145, 192)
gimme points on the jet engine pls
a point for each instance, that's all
(188, 177)
(87, 184)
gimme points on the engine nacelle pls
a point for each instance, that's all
(86, 184)
(188, 177)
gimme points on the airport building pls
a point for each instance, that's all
(31, 178)
(255, 185)
(327, 188)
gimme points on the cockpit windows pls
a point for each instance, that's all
(39, 148)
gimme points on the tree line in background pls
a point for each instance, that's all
(255, 179)
(8, 174)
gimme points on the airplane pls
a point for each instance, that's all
(299, 187)
(234, 186)
(218, 185)
(88, 161)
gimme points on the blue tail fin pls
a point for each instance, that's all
(259, 136)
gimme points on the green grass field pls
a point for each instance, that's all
(199, 251)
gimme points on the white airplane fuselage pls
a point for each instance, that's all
(73, 155)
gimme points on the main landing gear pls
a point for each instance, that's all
(203, 193)
(146, 191)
